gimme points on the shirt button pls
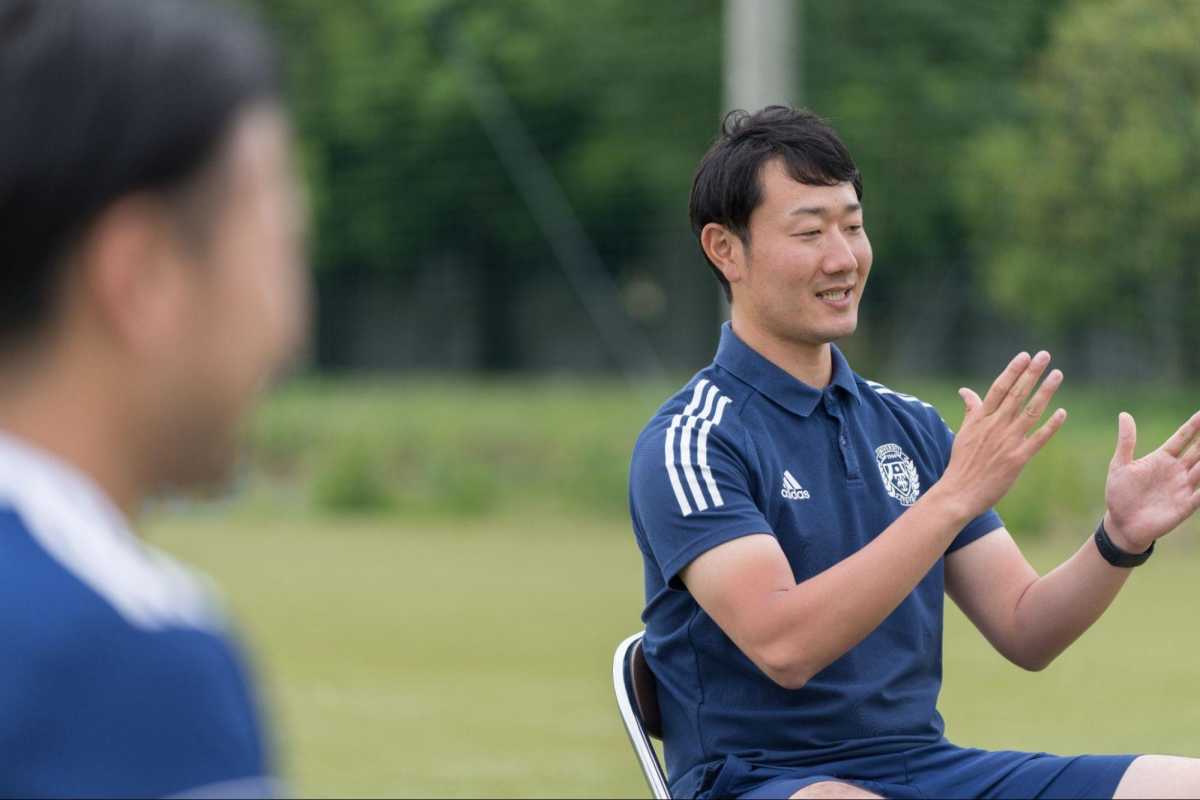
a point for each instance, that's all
(843, 441)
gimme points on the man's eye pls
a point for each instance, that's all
(809, 234)
(854, 228)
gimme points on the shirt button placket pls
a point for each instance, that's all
(849, 462)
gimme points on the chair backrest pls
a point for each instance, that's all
(645, 691)
(637, 700)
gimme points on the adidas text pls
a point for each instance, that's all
(792, 490)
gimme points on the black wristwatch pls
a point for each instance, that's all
(1115, 555)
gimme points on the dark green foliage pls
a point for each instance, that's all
(1087, 206)
(620, 97)
(1005, 149)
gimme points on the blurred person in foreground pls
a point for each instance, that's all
(152, 284)
(799, 524)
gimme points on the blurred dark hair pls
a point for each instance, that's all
(100, 99)
(727, 186)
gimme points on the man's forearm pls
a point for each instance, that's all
(841, 606)
(795, 631)
(1058, 607)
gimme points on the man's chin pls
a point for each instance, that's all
(844, 333)
(836, 330)
(826, 330)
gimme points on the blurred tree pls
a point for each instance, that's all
(620, 98)
(1087, 207)
(908, 84)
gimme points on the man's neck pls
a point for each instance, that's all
(811, 364)
(69, 425)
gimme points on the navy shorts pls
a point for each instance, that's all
(936, 770)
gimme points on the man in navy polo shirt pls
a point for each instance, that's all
(800, 524)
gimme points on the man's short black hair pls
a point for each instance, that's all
(728, 187)
(100, 99)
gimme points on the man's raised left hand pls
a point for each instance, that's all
(1149, 497)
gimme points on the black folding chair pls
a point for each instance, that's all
(637, 700)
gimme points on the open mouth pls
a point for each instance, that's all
(836, 296)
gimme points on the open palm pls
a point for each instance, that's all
(1149, 497)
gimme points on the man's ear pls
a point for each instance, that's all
(726, 250)
(128, 278)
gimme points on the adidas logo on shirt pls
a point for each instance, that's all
(792, 490)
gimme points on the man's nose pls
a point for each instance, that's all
(839, 257)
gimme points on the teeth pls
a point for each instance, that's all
(840, 294)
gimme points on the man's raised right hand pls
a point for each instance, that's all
(995, 441)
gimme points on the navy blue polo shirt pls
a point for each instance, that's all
(745, 448)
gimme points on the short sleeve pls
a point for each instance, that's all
(982, 525)
(690, 491)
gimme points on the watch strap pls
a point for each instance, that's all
(1115, 555)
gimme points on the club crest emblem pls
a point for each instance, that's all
(899, 474)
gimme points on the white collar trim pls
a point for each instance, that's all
(77, 525)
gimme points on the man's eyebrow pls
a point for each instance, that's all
(823, 211)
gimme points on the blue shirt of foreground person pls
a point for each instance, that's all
(152, 284)
(799, 524)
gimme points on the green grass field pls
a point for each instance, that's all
(449, 630)
(438, 658)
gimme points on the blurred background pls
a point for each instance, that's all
(428, 548)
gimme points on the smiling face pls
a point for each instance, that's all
(801, 273)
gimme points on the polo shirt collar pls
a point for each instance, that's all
(747, 364)
(71, 518)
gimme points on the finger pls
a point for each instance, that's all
(1038, 439)
(1126, 439)
(970, 400)
(1042, 397)
(1193, 477)
(1191, 456)
(1015, 401)
(1003, 383)
(1179, 440)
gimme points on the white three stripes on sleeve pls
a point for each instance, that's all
(882, 390)
(689, 420)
